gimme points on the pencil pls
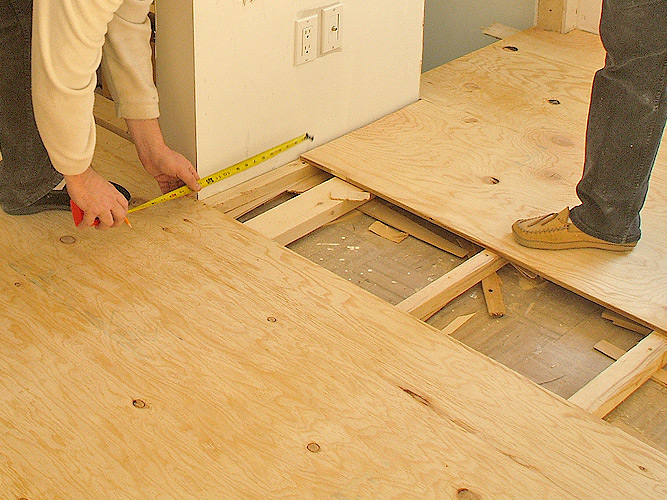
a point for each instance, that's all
(127, 221)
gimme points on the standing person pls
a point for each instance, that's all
(47, 83)
(626, 121)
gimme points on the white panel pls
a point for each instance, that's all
(250, 96)
(588, 15)
(175, 74)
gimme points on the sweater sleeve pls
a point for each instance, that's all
(68, 36)
(127, 61)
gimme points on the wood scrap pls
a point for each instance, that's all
(245, 197)
(343, 194)
(104, 112)
(527, 273)
(623, 322)
(395, 219)
(499, 31)
(614, 352)
(387, 232)
(470, 248)
(457, 323)
(493, 294)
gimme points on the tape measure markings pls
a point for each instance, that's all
(225, 172)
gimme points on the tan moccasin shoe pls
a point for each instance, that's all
(557, 232)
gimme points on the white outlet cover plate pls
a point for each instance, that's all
(306, 39)
(332, 34)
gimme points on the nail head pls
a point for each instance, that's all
(139, 403)
(313, 447)
(67, 240)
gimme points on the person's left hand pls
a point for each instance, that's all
(172, 170)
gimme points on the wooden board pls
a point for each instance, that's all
(606, 391)
(433, 297)
(191, 358)
(484, 147)
(309, 211)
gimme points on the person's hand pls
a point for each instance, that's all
(97, 198)
(171, 170)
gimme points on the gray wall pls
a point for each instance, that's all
(452, 28)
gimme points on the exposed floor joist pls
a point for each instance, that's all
(614, 352)
(293, 177)
(305, 213)
(430, 299)
(612, 386)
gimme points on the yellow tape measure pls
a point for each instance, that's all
(225, 172)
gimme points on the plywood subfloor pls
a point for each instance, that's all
(193, 358)
(548, 333)
(485, 147)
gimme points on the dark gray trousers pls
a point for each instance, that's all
(26, 173)
(626, 120)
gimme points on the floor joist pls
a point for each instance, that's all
(614, 352)
(303, 214)
(245, 197)
(606, 391)
(430, 299)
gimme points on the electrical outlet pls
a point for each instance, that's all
(306, 39)
(332, 35)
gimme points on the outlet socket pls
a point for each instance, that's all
(306, 39)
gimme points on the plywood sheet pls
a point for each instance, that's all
(192, 358)
(485, 146)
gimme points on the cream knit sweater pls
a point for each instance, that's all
(69, 38)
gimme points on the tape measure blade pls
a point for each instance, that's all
(226, 172)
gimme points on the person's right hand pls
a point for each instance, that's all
(97, 198)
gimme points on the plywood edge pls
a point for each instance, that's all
(610, 388)
(499, 31)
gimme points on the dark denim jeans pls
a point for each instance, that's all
(26, 173)
(626, 120)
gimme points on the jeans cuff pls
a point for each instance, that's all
(581, 225)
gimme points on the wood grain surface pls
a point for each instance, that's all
(193, 358)
(485, 146)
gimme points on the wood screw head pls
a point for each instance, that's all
(313, 447)
(555, 102)
(271, 319)
(466, 494)
(138, 403)
(67, 240)
(511, 48)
